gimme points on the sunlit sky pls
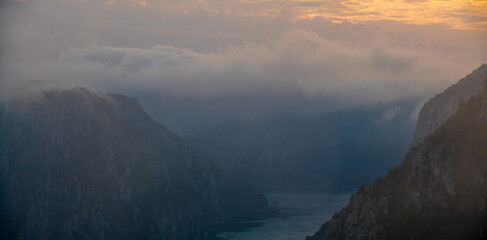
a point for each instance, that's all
(462, 14)
(221, 59)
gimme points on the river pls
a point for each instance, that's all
(301, 215)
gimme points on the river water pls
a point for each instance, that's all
(301, 215)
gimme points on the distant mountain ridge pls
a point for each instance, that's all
(435, 112)
(335, 151)
(438, 192)
(80, 165)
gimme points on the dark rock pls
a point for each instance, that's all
(438, 192)
(435, 112)
(80, 165)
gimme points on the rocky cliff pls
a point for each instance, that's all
(435, 112)
(438, 192)
(79, 165)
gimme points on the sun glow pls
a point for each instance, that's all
(463, 14)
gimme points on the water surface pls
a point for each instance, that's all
(301, 215)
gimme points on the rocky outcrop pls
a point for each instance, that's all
(435, 112)
(438, 192)
(358, 219)
(79, 165)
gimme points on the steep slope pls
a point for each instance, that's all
(435, 112)
(438, 192)
(79, 165)
(326, 152)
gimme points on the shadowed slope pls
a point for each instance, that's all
(438, 192)
(78, 165)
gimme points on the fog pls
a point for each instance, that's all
(194, 67)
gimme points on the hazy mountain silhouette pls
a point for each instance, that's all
(79, 165)
(438, 192)
(435, 112)
(327, 152)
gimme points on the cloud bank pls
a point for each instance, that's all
(194, 64)
(297, 71)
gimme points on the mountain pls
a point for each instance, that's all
(435, 112)
(438, 192)
(336, 151)
(80, 165)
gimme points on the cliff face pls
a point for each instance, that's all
(78, 165)
(438, 192)
(435, 112)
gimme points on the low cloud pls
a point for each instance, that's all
(297, 61)
(390, 114)
(193, 64)
(417, 109)
(297, 71)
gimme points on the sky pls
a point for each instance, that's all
(194, 63)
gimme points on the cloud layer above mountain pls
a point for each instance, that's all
(296, 72)
(215, 63)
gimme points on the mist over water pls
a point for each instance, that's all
(301, 215)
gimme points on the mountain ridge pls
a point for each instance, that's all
(74, 164)
(438, 192)
(435, 112)
(325, 152)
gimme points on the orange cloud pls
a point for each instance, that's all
(142, 3)
(462, 14)
(110, 3)
(455, 14)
